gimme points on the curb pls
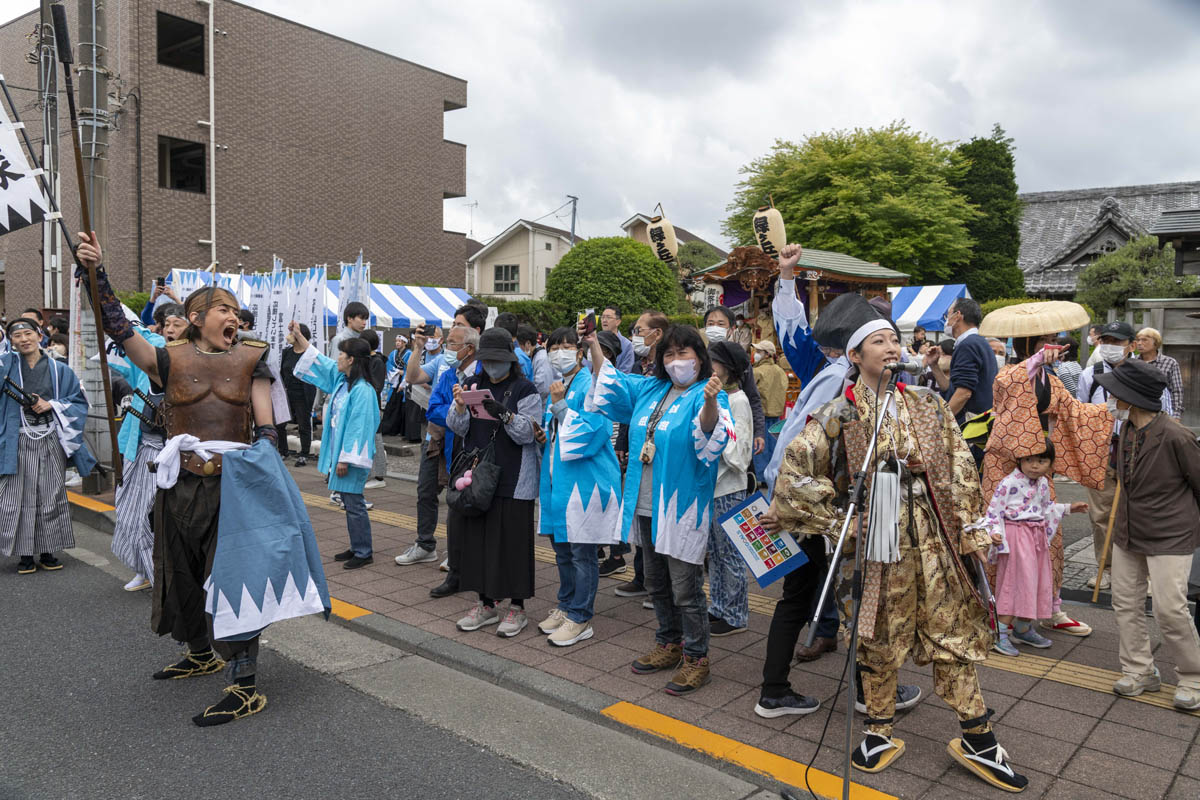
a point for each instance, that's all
(103, 521)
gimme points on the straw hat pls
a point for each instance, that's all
(1034, 319)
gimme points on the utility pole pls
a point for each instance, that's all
(574, 202)
(48, 91)
(93, 132)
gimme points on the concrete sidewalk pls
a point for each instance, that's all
(1055, 711)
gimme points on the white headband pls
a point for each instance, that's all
(866, 330)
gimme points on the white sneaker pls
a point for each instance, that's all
(375, 483)
(416, 555)
(571, 632)
(514, 622)
(368, 504)
(1133, 685)
(553, 622)
(335, 498)
(648, 603)
(445, 565)
(72, 478)
(138, 583)
(1105, 582)
(477, 617)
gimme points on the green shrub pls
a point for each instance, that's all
(135, 300)
(613, 270)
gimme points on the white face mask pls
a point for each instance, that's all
(640, 347)
(758, 356)
(1111, 353)
(1121, 414)
(999, 361)
(433, 344)
(683, 371)
(715, 333)
(563, 361)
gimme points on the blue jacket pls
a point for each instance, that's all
(130, 436)
(351, 419)
(439, 403)
(70, 414)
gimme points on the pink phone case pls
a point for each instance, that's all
(473, 400)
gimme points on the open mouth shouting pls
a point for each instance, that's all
(229, 333)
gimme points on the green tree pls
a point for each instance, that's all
(135, 300)
(613, 270)
(882, 194)
(693, 256)
(990, 183)
(1139, 269)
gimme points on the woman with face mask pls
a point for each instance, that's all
(919, 600)
(1029, 400)
(580, 491)
(720, 325)
(679, 424)
(496, 552)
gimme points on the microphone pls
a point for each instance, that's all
(893, 367)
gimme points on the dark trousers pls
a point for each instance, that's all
(428, 490)
(792, 612)
(300, 404)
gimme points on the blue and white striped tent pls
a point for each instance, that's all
(392, 305)
(924, 305)
(399, 306)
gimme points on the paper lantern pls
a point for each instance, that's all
(662, 239)
(769, 230)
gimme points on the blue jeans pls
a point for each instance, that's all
(578, 577)
(358, 524)
(726, 568)
(677, 589)
(761, 460)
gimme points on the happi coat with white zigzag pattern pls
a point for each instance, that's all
(351, 419)
(70, 413)
(686, 459)
(580, 489)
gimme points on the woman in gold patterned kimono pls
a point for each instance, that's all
(1031, 403)
(923, 604)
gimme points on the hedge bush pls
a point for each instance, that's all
(613, 270)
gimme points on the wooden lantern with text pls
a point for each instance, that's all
(662, 239)
(769, 230)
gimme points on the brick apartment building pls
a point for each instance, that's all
(323, 147)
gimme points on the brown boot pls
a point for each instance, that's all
(690, 676)
(663, 656)
(820, 646)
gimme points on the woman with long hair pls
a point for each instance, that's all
(348, 439)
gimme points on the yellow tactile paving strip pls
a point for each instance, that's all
(1066, 672)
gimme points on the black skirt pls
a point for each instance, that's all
(497, 550)
(414, 418)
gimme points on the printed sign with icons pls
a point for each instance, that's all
(770, 556)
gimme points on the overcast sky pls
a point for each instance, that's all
(627, 103)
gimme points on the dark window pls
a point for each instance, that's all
(180, 165)
(549, 246)
(507, 278)
(180, 43)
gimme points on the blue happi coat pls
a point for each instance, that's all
(351, 419)
(267, 566)
(684, 469)
(580, 489)
(70, 414)
(130, 435)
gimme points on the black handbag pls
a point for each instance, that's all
(476, 498)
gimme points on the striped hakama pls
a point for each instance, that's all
(34, 516)
(133, 537)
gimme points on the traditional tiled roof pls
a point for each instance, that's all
(1185, 220)
(1055, 224)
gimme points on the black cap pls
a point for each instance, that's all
(1118, 330)
(1134, 381)
(844, 315)
(495, 344)
(732, 356)
(610, 342)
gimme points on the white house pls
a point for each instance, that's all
(516, 264)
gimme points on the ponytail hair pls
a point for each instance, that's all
(360, 356)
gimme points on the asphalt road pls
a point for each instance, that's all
(82, 718)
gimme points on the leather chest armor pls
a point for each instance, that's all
(208, 396)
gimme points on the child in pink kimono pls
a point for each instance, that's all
(1022, 519)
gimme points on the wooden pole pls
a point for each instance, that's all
(1112, 516)
(66, 58)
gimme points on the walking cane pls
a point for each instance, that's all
(1112, 516)
(63, 42)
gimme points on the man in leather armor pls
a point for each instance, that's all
(216, 398)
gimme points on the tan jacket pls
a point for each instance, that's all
(1159, 510)
(772, 383)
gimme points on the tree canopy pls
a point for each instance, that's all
(885, 195)
(1139, 269)
(613, 270)
(696, 255)
(990, 183)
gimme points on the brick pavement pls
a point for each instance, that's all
(1055, 712)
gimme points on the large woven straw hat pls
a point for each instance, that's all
(1034, 319)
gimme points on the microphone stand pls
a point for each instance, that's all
(856, 590)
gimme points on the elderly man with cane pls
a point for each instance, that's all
(1154, 532)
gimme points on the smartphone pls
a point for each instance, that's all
(473, 400)
(588, 318)
(428, 331)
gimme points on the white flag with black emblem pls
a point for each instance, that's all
(21, 200)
